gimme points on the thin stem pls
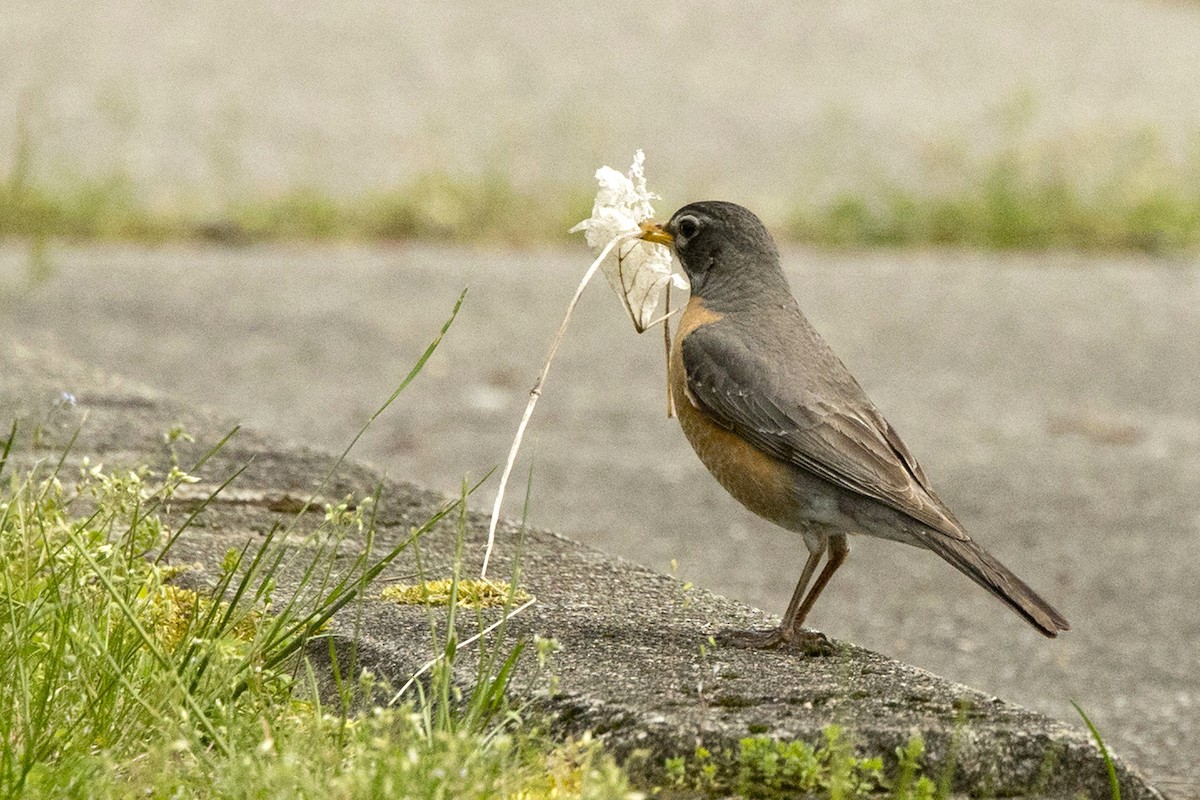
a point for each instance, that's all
(625, 289)
(666, 320)
(534, 394)
(662, 319)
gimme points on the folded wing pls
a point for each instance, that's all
(839, 436)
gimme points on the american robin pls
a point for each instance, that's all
(783, 426)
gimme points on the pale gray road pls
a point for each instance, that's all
(1054, 401)
(769, 103)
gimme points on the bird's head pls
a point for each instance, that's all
(717, 242)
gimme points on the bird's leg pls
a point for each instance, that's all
(791, 628)
(810, 566)
(767, 639)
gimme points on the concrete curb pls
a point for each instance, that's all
(634, 666)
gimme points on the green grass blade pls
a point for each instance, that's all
(1113, 783)
(8, 446)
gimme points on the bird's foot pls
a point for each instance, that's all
(803, 641)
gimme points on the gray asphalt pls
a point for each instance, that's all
(1054, 400)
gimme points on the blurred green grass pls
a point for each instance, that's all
(1132, 199)
(431, 207)
(1122, 195)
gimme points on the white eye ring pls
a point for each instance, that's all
(687, 227)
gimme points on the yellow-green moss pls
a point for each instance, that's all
(472, 593)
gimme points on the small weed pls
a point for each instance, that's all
(766, 768)
(909, 783)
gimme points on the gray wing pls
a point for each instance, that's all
(838, 435)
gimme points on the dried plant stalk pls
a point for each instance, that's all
(667, 352)
(534, 394)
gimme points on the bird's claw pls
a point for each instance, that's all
(803, 642)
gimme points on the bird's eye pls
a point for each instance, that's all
(688, 226)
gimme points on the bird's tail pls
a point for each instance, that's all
(983, 568)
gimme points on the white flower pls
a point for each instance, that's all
(636, 269)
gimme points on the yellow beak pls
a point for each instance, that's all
(655, 232)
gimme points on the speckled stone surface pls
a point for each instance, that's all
(635, 665)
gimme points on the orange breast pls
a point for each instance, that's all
(760, 482)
